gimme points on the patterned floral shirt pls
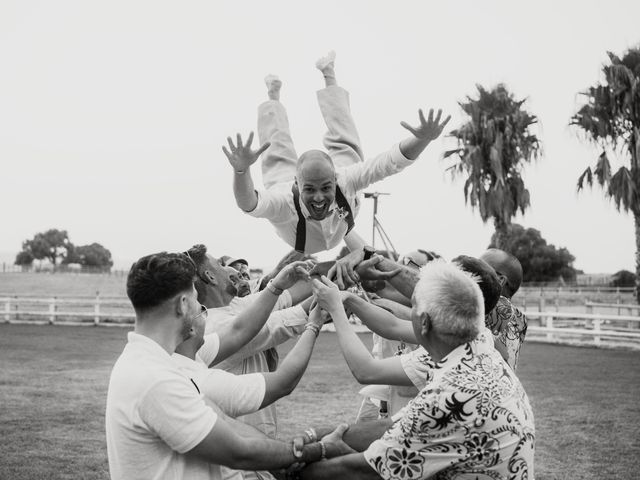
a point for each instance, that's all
(509, 327)
(472, 420)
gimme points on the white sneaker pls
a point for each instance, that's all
(323, 62)
(272, 81)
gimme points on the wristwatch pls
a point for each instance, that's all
(368, 252)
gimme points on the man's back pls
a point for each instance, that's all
(509, 328)
(154, 415)
(473, 417)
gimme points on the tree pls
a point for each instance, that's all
(493, 146)
(611, 120)
(24, 258)
(52, 245)
(541, 262)
(93, 255)
(623, 278)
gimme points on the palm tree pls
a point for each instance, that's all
(493, 146)
(611, 120)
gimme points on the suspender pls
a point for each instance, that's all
(301, 228)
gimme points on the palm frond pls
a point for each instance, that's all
(602, 172)
(622, 190)
(587, 176)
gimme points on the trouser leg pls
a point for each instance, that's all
(341, 140)
(279, 160)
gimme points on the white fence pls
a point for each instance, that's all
(108, 311)
(594, 328)
(584, 328)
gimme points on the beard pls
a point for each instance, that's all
(231, 289)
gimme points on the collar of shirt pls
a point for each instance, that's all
(188, 364)
(139, 341)
(482, 343)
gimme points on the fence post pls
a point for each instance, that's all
(588, 322)
(96, 310)
(557, 300)
(7, 310)
(596, 328)
(541, 301)
(549, 324)
(17, 307)
(52, 311)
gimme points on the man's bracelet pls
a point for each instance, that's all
(314, 327)
(323, 450)
(239, 172)
(273, 289)
(311, 434)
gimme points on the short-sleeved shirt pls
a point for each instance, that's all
(276, 203)
(154, 416)
(509, 327)
(235, 395)
(282, 325)
(471, 420)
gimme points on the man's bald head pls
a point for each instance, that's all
(506, 266)
(316, 181)
(314, 162)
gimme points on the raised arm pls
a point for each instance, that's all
(423, 134)
(234, 335)
(365, 368)
(241, 157)
(361, 175)
(379, 320)
(285, 379)
(403, 279)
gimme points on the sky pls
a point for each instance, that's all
(113, 114)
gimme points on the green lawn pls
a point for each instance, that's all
(53, 387)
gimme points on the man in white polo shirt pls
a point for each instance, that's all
(157, 423)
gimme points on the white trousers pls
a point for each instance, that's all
(341, 139)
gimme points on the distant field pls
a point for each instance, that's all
(52, 284)
(53, 387)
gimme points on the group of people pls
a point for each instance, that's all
(192, 396)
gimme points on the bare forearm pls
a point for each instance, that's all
(300, 291)
(354, 241)
(412, 147)
(405, 281)
(245, 326)
(244, 191)
(360, 435)
(352, 466)
(285, 379)
(380, 321)
(358, 358)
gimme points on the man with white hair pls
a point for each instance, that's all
(471, 420)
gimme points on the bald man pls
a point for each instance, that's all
(312, 201)
(506, 322)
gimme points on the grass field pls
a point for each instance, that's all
(68, 284)
(53, 388)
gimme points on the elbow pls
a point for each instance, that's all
(364, 376)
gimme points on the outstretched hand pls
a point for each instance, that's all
(429, 129)
(240, 156)
(326, 293)
(367, 270)
(292, 273)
